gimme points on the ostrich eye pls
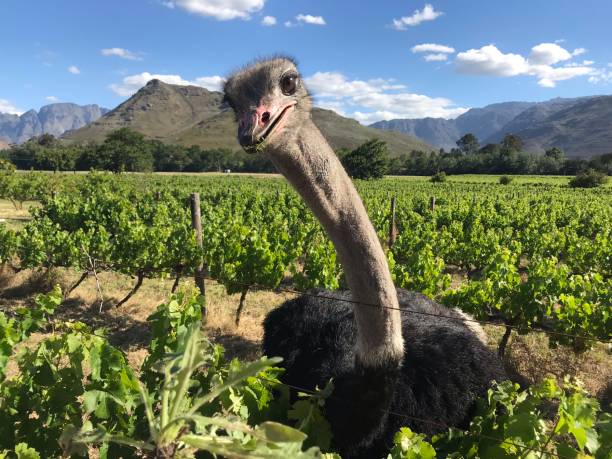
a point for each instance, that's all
(288, 84)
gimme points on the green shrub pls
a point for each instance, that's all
(588, 179)
(505, 180)
(438, 177)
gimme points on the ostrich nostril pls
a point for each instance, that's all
(265, 117)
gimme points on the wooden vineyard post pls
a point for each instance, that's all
(432, 203)
(392, 227)
(196, 223)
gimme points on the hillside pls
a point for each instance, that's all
(581, 129)
(190, 115)
(580, 126)
(442, 133)
(53, 119)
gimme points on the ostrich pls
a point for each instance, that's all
(383, 362)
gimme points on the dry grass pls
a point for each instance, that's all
(15, 218)
(127, 328)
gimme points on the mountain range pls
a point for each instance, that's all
(191, 115)
(582, 127)
(51, 119)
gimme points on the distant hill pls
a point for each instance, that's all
(581, 129)
(191, 115)
(3, 144)
(580, 126)
(443, 133)
(51, 119)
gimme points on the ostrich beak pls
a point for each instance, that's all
(257, 126)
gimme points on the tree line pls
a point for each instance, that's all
(125, 150)
(130, 151)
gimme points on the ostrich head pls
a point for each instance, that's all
(270, 102)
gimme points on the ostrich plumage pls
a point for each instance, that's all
(427, 370)
(446, 368)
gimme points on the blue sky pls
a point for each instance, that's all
(367, 59)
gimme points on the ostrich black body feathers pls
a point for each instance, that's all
(446, 368)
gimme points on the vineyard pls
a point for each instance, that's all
(523, 259)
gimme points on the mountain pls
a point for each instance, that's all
(51, 119)
(191, 115)
(438, 132)
(581, 128)
(483, 122)
(3, 144)
(442, 133)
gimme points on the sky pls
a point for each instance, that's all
(369, 60)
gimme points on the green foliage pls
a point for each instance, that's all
(589, 179)
(409, 445)
(125, 150)
(369, 161)
(6, 166)
(511, 143)
(27, 321)
(534, 257)
(170, 323)
(176, 423)
(73, 390)
(438, 177)
(505, 180)
(512, 423)
(468, 144)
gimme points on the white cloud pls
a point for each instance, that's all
(578, 64)
(222, 10)
(489, 60)
(432, 48)
(212, 83)
(289, 24)
(436, 57)
(548, 76)
(428, 13)
(74, 70)
(122, 53)
(131, 84)
(268, 21)
(7, 107)
(578, 51)
(548, 54)
(375, 99)
(310, 19)
(603, 76)
(52, 99)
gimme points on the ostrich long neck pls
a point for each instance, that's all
(313, 169)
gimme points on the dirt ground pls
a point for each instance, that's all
(126, 326)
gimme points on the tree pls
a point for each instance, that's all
(555, 153)
(126, 150)
(512, 142)
(468, 144)
(369, 161)
(56, 158)
(490, 149)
